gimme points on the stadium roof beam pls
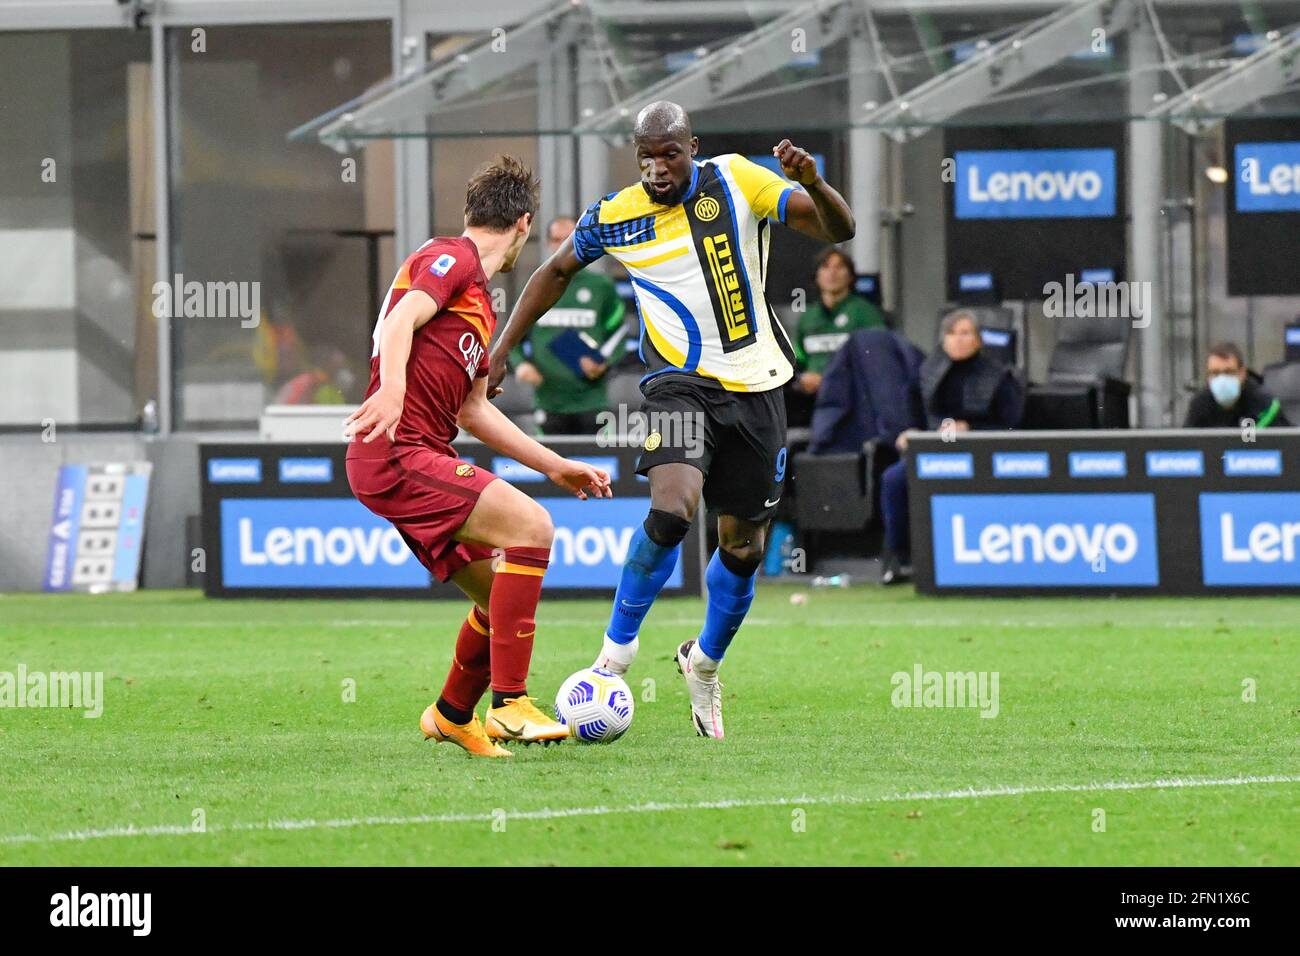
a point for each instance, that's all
(1027, 52)
(1270, 69)
(413, 99)
(734, 66)
(688, 11)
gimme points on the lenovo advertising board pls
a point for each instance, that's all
(280, 520)
(1137, 512)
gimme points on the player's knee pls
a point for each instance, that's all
(535, 528)
(666, 528)
(742, 558)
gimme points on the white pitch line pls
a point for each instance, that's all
(563, 812)
(882, 623)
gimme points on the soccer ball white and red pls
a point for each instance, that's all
(595, 704)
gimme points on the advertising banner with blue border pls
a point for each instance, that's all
(1034, 183)
(312, 542)
(1250, 539)
(1262, 205)
(281, 520)
(1027, 205)
(1268, 177)
(1087, 540)
(1168, 511)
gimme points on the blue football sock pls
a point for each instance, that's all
(730, 596)
(648, 567)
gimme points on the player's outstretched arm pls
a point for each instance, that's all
(821, 212)
(543, 290)
(488, 424)
(381, 412)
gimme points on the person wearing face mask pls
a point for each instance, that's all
(1231, 396)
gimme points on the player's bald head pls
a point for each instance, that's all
(662, 120)
(664, 151)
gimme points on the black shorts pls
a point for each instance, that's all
(737, 439)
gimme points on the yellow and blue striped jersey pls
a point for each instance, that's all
(698, 270)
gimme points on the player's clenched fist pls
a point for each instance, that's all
(581, 478)
(378, 415)
(796, 163)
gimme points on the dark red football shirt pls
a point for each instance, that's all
(447, 353)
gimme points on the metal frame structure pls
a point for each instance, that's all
(1204, 106)
(440, 86)
(739, 63)
(1002, 65)
(540, 27)
(157, 16)
(99, 14)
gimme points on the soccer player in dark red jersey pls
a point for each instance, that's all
(428, 376)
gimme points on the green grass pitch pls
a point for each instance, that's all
(236, 709)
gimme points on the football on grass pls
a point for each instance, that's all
(596, 705)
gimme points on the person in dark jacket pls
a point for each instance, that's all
(960, 385)
(868, 391)
(1231, 396)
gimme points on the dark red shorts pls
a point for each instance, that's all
(426, 495)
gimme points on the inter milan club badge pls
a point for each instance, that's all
(707, 208)
(465, 471)
(652, 441)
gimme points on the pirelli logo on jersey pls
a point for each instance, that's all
(728, 296)
(713, 230)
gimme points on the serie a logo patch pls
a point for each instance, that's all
(465, 471)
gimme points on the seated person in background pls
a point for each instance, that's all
(328, 382)
(826, 324)
(567, 403)
(1231, 395)
(960, 385)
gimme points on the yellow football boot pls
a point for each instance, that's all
(519, 720)
(469, 737)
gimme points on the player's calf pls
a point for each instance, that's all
(730, 580)
(507, 519)
(652, 556)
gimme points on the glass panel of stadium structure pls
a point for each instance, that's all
(419, 96)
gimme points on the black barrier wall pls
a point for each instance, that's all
(279, 520)
(1134, 512)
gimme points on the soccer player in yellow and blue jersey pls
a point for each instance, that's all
(693, 236)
